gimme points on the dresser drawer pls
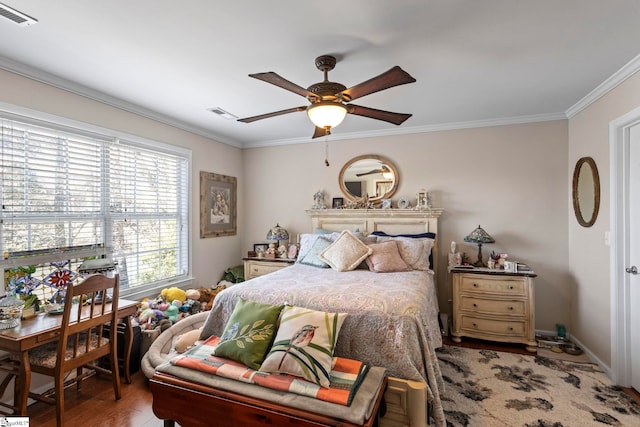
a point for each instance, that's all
(493, 306)
(496, 327)
(489, 284)
(259, 269)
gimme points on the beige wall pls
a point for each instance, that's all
(510, 179)
(210, 256)
(589, 259)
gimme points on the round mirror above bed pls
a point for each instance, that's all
(369, 174)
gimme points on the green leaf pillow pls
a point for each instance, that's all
(248, 334)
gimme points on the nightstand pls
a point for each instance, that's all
(493, 305)
(254, 267)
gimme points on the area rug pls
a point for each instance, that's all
(490, 388)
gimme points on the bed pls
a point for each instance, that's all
(392, 317)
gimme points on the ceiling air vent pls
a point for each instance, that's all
(222, 113)
(16, 16)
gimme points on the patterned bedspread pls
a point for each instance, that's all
(392, 322)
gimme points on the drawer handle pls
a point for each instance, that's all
(262, 418)
(475, 285)
(510, 308)
(475, 305)
(475, 325)
(511, 328)
(510, 286)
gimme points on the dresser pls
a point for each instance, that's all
(254, 267)
(493, 305)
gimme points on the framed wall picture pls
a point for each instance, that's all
(218, 204)
(337, 203)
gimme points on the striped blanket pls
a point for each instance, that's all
(346, 374)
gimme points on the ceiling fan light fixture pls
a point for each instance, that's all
(326, 114)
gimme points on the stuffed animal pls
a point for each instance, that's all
(207, 295)
(187, 340)
(174, 293)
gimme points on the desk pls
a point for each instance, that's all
(42, 329)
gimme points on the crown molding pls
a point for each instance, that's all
(417, 129)
(628, 70)
(86, 92)
(620, 76)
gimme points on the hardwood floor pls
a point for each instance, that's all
(95, 406)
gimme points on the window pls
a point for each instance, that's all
(79, 193)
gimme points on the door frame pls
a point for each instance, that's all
(619, 257)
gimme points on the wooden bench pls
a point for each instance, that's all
(192, 405)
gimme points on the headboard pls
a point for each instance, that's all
(391, 221)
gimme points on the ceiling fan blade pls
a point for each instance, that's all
(393, 77)
(372, 113)
(280, 81)
(318, 132)
(274, 114)
(371, 172)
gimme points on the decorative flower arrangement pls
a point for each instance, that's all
(22, 285)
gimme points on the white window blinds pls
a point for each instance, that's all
(64, 190)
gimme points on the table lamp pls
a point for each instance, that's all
(278, 233)
(479, 236)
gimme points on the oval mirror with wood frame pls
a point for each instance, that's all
(586, 191)
(369, 174)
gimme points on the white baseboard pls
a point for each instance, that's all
(605, 368)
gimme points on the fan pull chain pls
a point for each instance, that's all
(326, 150)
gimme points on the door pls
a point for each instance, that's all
(633, 263)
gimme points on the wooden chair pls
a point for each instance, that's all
(82, 340)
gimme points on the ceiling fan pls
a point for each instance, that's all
(330, 101)
(384, 170)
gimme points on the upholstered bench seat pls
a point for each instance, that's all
(193, 398)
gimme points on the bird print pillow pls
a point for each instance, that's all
(248, 333)
(304, 344)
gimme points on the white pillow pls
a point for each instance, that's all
(346, 252)
(414, 252)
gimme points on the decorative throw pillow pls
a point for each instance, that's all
(425, 235)
(304, 344)
(307, 240)
(386, 258)
(414, 251)
(346, 252)
(249, 332)
(312, 256)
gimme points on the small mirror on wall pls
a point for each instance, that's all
(586, 191)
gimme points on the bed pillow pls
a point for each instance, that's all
(304, 344)
(249, 331)
(414, 251)
(386, 258)
(312, 256)
(427, 234)
(307, 240)
(325, 231)
(346, 252)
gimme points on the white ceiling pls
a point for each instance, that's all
(475, 61)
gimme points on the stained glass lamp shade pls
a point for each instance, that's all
(278, 233)
(479, 236)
